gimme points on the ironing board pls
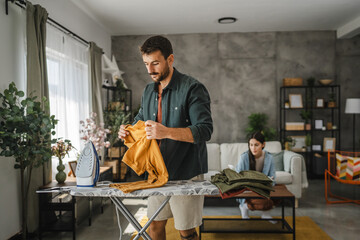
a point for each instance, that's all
(171, 188)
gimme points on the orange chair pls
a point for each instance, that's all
(340, 167)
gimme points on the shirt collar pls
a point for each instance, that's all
(173, 82)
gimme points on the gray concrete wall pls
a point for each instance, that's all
(348, 71)
(243, 71)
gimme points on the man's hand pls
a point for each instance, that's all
(122, 132)
(155, 130)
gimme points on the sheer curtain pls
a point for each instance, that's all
(69, 87)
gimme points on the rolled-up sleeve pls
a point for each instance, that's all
(200, 113)
(140, 114)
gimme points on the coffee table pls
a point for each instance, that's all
(226, 225)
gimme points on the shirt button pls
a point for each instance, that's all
(175, 108)
(153, 114)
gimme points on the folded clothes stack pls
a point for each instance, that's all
(231, 183)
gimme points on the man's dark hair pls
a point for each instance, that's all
(156, 43)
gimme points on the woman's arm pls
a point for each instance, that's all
(243, 163)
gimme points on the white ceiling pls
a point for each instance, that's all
(139, 17)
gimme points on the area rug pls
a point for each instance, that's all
(306, 229)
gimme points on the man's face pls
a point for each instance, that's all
(157, 66)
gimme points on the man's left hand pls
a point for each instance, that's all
(155, 130)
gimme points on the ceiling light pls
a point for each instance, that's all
(227, 20)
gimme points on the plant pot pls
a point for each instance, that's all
(331, 104)
(114, 152)
(61, 175)
(308, 126)
(287, 146)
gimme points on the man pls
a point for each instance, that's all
(176, 111)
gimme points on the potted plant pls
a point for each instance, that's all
(289, 143)
(113, 120)
(332, 101)
(25, 134)
(91, 132)
(257, 123)
(60, 149)
(310, 81)
(306, 116)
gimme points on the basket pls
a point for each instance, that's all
(292, 82)
(294, 126)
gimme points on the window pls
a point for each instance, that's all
(69, 86)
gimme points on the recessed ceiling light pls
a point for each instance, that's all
(227, 20)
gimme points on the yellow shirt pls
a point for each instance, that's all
(143, 155)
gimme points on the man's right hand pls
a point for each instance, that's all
(122, 132)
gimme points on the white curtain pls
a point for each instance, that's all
(69, 87)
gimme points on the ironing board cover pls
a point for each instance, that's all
(171, 188)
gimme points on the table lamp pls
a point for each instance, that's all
(353, 107)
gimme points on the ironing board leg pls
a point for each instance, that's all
(152, 218)
(131, 219)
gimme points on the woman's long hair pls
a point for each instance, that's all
(258, 136)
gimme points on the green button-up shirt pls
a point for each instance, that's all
(185, 103)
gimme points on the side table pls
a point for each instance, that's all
(57, 210)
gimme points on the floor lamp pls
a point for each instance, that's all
(353, 107)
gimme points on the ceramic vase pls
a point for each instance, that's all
(61, 175)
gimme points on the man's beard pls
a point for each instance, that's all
(162, 75)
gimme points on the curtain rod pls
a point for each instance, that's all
(22, 4)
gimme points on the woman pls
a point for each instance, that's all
(257, 159)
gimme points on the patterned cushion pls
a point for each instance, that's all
(353, 169)
(341, 162)
(348, 167)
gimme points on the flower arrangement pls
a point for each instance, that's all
(91, 132)
(61, 148)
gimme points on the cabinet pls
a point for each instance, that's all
(118, 106)
(59, 211)
(310, 123)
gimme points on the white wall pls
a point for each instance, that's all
(70, 16)
(12, 68)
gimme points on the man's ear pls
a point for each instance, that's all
(170, 59)
(263, 145)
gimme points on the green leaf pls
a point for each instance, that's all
(20, 93)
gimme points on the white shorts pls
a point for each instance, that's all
(186, 210)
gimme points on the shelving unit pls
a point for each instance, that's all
(118, 98)
(315, 159)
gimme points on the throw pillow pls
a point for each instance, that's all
(341, 164)
(278, 161)
(348, 167)
(353, 169)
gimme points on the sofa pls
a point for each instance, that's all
(293, 174)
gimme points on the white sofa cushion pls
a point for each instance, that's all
(230, 153)
(282, 177)
(273, 146)
(213, 151)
